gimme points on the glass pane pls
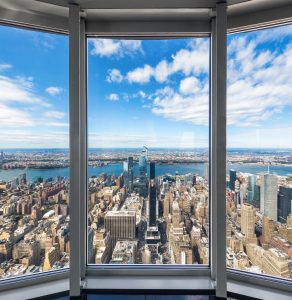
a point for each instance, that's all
(259, 158)
(148, 115)
(34, 158)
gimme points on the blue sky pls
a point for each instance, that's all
(152, 93)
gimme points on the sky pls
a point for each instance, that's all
(153, 93)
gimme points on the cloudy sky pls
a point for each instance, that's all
(153, 93)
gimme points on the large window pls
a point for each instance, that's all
(148, 136)
(259, 157)
(34, 157)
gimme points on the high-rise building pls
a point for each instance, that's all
(130, 174)
(120, 225)
(248, 222)
(284, 203)
(52, 255)
(1, 158)
(152, 203)
(206, 172)
(90, 245)
(124, 252)
(27, 248)
(257, 196)
(238, 200)
(232, 179)
(103, 247)
(251, 188)
(166, 205)
(125, 173)
(175, 214)
(142, 173)
(152, 170)
(269, 187)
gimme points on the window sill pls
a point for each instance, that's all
(153, 283)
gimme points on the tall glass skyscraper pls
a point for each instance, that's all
(152, 196)
(142, 173)
(269, 189)
(152, 170)
(130, 174)
(284, 203)
(232, 179)
(251, 188)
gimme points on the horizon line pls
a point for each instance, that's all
(157, 147)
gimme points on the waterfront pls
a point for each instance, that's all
(116, 169)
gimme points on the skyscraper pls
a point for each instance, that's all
(248, 222)
(130, 174)
(152, 196)
(257, 196)
(142, 173)
(269, 187)
(120, 225)
(1, 158)
(152, 170)
(284, 203)
(232, 179)
(251, 188)
(152, 203)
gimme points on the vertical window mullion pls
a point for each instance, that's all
(83, 150)
(218, 149)
(74, 84)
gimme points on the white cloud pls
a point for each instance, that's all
(12, 117)
(259, 81)
(194, 60)
(20, 138)
(259, 86)
(19, 90)
(4, 67)
(114, 75)
(113, 97)
(191, 108)
(162, 71)
(190, 85)
(108, 47)
(140, 75)
(57, 124)
(152, 139)
(53, 90)
(141, 94)
(260, 137)
(54, 114)
(191, 61)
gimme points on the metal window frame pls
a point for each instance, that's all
(217, 124)
(148, 269)
(78, 129)
(218, 149)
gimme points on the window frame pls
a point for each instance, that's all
(264, 19)
(51, 275)
(200, 269)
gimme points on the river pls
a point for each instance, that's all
(161, 169)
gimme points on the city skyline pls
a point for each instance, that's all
(132, 84)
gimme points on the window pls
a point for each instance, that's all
(148, 136)
(259, 191)
(34, 157)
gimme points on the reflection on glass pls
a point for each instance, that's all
(259, 158)
(34, 157)
(148, 151)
